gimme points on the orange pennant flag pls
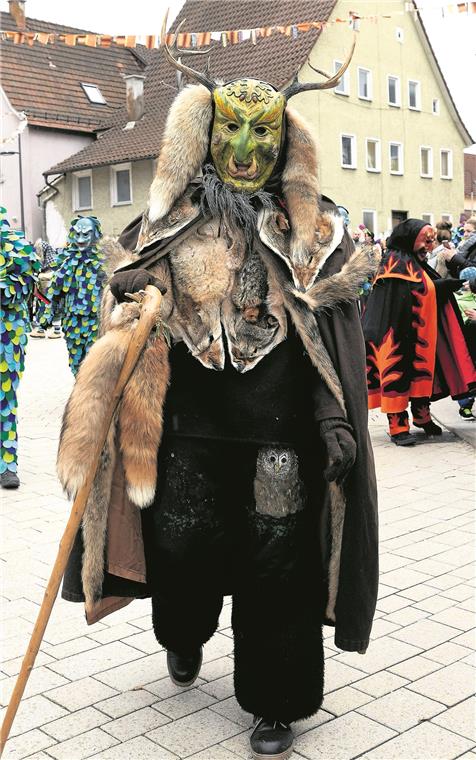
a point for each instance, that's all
(131, 41)
(105, 40)
(150, 41)
(43, 37)
(70, 39)
(91, 40)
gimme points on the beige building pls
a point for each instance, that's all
(391, 140)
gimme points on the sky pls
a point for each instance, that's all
(453, 37)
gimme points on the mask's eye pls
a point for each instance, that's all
(232, 127)
(260, 131)
(284, 459)
(272, 458)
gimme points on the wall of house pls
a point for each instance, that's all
(40, 149)
(113, 218)
(331, 114)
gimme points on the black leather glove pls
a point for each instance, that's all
(132, 281)
(341, 448)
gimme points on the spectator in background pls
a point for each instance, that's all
(465, 254)
(466, 300)
(19, 267)
(436, 258)
(47, 255)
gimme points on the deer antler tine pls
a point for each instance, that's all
(296, 87)
(168, 52)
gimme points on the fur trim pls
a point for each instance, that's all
(300, 185)
(308, 330)
(184, 148)
(114, 254)
(346, 283)
(140, 427)
(337, 510)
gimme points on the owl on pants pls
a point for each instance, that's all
(278, 489)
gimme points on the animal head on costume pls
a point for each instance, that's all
(84, 232)
(247, 129)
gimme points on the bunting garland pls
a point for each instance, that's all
(224, 37)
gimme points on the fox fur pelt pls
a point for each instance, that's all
(135, 431)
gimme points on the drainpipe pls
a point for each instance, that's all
(20, 176)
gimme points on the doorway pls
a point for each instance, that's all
(398, 216)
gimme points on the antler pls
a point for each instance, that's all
(296, 87)
(197, 75)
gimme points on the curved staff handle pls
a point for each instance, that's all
(148, 318)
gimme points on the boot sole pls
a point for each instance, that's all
(281, 756)
(184, 684)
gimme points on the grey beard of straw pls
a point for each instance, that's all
(238, 210)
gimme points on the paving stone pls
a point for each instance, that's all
(455, 617)
(135, 723)
(96, 660)
(40, 680)
(76, 723)
(342, 738)
(415, 667)
(230, 709)
(425, 633)
(382, 628)
(217, 753)
(34, 712)
(447, 653)
(12, 667)
(164, 688)
(26, 744)
(139, 748)
(460, 719)
(81, 693)
(382, 654)
(85, 745)
(338, 674)
(401, 709)
(218, 646)
(125, 703)
(210, 671)
(145, 641)
(137, 673)
(415, 744)
(415, 593)
(392, 604)
(434, 604)
(467, 639)
(303, 726)
(116, 632)
(345, 700)
(406, 616)
(381, 683)
(221, 688)
(195, 732)
(185, 703)
(449, 685)
(74, 646)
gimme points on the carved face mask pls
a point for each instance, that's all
(246, 133)
(82, 234)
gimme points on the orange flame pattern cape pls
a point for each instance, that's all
(414, 338)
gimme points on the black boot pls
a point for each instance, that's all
(9, 479)
(430, 428)
(403, 439)
(271, 740)
(184, 668)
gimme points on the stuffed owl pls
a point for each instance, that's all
(278, 488)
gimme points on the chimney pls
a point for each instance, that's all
(134, 96)
(17, 10)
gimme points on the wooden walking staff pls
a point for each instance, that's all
(148, 318)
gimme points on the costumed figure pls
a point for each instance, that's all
(19, 268)
(416, 349)
(77, 282)
(239, 461)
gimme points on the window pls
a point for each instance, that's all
(82, 191)
(396, 158)
(414, 95)
(446, 218)
(93, 93)
(435, 106)
(343, 86)
(399, 34)
(428, 218)
(426, 162)
(365, 83)
(369, 219)
(121, 186)
(374, 162)
(446, 164)
(348, 152)
(393, 85)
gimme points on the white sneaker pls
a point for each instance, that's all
(37, 332)
(55, 332)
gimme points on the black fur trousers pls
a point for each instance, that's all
(206, 539)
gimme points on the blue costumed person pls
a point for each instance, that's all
(78, 279)
(19, 267)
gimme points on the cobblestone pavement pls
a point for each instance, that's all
(103, 691)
